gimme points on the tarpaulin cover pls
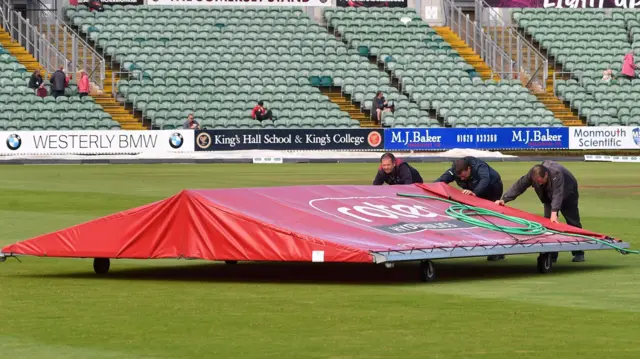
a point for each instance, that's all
(305, 223)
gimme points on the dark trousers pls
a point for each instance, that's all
(83, 94)
(266, 116)
(570, 212)
(57, 93)
(494, 192)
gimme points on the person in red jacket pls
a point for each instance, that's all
(260, 113)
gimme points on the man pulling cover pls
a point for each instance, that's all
(394, 171)
(557, 189)
(476, 178)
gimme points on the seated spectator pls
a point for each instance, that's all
(36, 80)
(95, 5)
(83, 84)
(629, 66)
(380, 105)
(260, 113)
(191, 123)
(59, 81)
(41, 91)
(607, 75)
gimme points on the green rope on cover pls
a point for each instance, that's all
(469, 214)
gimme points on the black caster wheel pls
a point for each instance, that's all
(231, 262)
(101, 265)
(545, 263)
(427, 271)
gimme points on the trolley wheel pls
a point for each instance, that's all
(231, 262)
(101, 265)
(545, 263)
(427, 271)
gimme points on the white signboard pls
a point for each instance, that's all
(95, 142)
(605, 158)
(604, 138)
(245, 3)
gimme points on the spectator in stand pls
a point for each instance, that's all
(83, 84)
(95, 5)
(629, 66)
(607, 75)
(59, 81)
(260, 113)
(191, 123)
(380, 105)
(36, 80)
(41, 91)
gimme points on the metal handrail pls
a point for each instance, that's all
(475, 37)
(27, 35)
(559, 74)
(56, 30)
(535, 65)
(124, 75)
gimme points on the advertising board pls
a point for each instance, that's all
(359, 139)
(486, 138)
(244, 3)
(604, 138)
(95, 142)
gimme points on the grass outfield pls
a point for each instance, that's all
(57, 308)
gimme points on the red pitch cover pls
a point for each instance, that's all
(303, 223)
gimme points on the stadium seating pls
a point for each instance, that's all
(218, 62)
(586, 42)
(433, 74)
(21, 109)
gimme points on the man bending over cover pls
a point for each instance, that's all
(476, 178)
(394, 171)
(557, 189)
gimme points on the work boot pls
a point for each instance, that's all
(495, 258)
(578, 258)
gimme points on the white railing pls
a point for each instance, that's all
(80, 53)
(526, 57)
(493, 55)
(28, 37)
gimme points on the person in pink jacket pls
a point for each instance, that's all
(629, 66)
(83, 84)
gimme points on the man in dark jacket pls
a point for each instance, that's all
(476, 178)
(58, 83)
(557, 189)
(394, 171)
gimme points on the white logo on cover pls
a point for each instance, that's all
(367, 210)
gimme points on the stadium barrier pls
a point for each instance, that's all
(484, 138)
(319, 139)
(604, 138)
(96, 142)
(351, 139)
(243, 3)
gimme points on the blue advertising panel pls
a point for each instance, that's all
(484, 138)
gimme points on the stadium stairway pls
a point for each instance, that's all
(560, 110)
(23, 56)
(114, 108)
(335, 96)
(104, 98)
(465, 51)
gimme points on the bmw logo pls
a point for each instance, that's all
(14, 142)
(635, 133)
(176, 140)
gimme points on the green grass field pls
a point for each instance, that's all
(57, 308)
